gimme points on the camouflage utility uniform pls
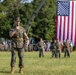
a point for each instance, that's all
(58, 49)
(67, 46)
(53, 49)
(18, 36)
(41, 48)
(17, 45)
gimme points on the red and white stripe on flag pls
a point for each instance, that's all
(66, 25)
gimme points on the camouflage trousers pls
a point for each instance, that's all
(53, 53)
(20, 52)
(41, 52)
(58, 53)
(66, 52)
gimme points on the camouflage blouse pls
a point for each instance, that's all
(18, 38)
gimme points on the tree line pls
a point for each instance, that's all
(42, 26)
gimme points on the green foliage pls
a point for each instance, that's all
(2, 15)
(42, 26)
(45, 20)
(2, 8)
(4, 27)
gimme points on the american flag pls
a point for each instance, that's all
(66, 21)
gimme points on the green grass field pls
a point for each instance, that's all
(39, 66)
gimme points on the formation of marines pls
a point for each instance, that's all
(57, 47)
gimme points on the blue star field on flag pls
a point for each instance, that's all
(63, 8)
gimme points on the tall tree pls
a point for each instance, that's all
(5, 19)
(42, 26)
(44, 23)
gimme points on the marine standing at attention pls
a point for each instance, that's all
(18, 36)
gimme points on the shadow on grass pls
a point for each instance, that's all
(4, 71)
(7, 72)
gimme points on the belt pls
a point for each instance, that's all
(20, 39)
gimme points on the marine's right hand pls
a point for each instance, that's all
(14, 31)
(11, 33)
(17, 27)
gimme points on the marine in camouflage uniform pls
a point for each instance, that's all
(53, 47)
(58, 48)
(18, 36)
(41, 47)
(67, 46)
